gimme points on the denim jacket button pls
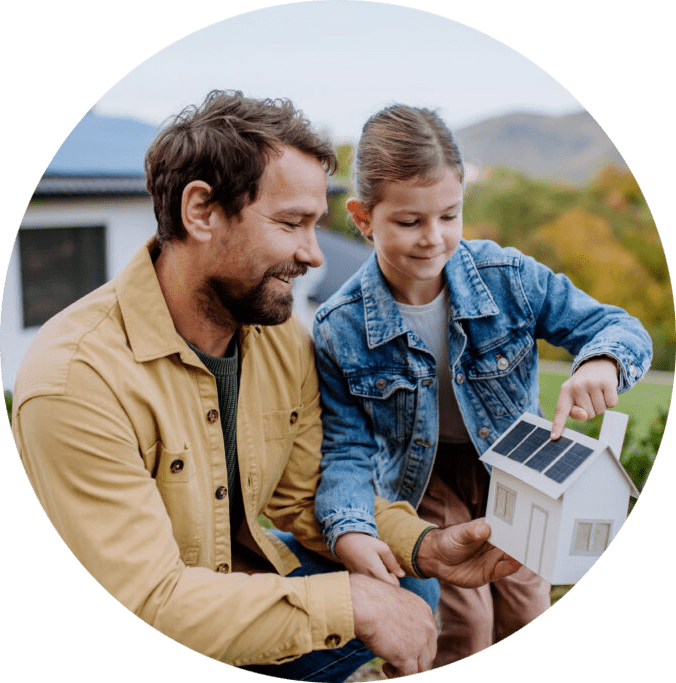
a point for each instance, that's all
(381, 383)
(459, 378)
(484, 432)
(503, 363)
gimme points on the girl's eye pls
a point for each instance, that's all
(450, 218)
(406, 224)
(292, 225)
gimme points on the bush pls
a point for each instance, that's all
(8, 405)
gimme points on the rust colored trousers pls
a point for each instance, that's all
(471, 619)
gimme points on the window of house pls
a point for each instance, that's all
(590, 537)
(505, 503)
(58, 266)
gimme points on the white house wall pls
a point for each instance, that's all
(601, 494)
(129, 222)
(513, 538)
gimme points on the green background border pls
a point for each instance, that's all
(58, 59)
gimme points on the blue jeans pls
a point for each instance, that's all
(333, 666)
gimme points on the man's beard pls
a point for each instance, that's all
(254, 306)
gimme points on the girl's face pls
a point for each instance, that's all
(415, 229)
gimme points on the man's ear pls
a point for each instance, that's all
(196, 210)
(359, 216)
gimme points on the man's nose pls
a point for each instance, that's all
(309, 251)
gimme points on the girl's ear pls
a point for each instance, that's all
(196, 211)
(359, 216)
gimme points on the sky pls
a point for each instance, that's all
(339, 62)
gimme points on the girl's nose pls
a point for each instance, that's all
(432, 234)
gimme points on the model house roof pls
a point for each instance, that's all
(526, 452)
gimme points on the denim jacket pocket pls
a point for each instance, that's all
(389, 400)
(502, 375)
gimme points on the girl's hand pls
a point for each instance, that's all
(364, 554)
(589, 392)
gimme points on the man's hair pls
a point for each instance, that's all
(403, 143)
(225, 142)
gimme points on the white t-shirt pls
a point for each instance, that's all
(430, 322)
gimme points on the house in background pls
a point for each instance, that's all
(555, 506)
(88, 216)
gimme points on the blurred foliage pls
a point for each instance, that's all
(8, 405)
(601, 235)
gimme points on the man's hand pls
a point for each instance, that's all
(462, 556)
(394, 624)
(588, 393)
(364, 554)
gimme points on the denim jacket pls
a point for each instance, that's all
(379, 385)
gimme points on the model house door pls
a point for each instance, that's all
(536, 538)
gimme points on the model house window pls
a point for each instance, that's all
(58, 266)
(590, 538)
(505, 502)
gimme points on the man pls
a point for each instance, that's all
(160, 415)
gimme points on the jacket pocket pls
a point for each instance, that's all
(502, 376)
(177, 484)
(280, 428)
(389, 399)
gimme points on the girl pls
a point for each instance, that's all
(428, 354)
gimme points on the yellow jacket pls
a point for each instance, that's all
(116, 421)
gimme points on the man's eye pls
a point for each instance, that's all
(451, 217)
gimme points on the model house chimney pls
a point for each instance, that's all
(613, 430)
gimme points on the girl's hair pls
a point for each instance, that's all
(400, 143)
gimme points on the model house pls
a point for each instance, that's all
(555, 506)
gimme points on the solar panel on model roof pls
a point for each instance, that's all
(565, 466)
(530, 444)
(513, 438)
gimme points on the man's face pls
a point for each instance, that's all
(256, 255)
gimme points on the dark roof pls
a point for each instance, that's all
(104, 146)
(104, 155)
(88, 186)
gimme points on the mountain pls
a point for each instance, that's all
(572, 148)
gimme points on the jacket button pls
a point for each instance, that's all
(503, 363)
(427, 382)
(333, 640)
(460, 378)
(221, 492)
(294, 417)
(381, 383)
(176, 466)
(484, 432)
(420, 442)
(223, 568)
(212, 415)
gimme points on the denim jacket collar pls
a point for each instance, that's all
(469, 297)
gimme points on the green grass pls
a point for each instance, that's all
(641, 403)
